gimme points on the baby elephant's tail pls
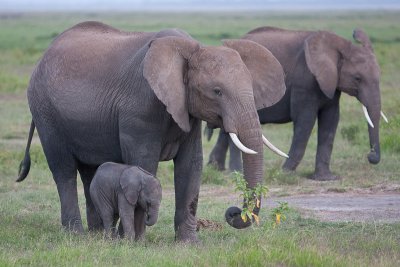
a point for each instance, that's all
(26, 162)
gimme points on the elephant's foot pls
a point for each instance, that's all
(290, 166)
(325, 176)
(217, 165)
(186, 234)
(74, 226)
(187, 238)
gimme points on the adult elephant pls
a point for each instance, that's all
(100, 94)
(318, 66)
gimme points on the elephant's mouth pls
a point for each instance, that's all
(211, 125)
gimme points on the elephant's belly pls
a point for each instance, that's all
(278, 113)
(275, 114)
(95, 149)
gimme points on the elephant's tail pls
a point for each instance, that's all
(25, 165)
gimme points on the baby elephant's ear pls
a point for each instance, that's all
(131, 184)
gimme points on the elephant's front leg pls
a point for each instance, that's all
(303, 122)
(127, 218)
(188, 167)
(139, 225)
(328, 119)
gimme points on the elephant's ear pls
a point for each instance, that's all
(131, 184)
(322, 60)
(360, 36)
(266, 71)
(165, 65)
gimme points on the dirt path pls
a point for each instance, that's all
(356, 206)
(337, 207)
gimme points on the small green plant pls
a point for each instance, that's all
(350, 133)
(251, 197)
(278, 214)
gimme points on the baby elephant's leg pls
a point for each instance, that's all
(140, 226)
(127, 215)
(108, 223)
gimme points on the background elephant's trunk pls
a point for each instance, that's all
(152, 215)
(250, 135)
(373, 104)
(374, 155)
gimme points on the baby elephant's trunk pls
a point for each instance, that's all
(152, 216)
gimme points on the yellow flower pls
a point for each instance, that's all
(256, 218)
(278, 218)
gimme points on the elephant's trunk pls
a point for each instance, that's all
(152, 216)
(250, 135)
(373, 105)
(374, 155)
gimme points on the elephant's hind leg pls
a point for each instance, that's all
(93, 218)
(63, 166)
(303, 123)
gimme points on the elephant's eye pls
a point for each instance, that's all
(217, 91)
(357, 78)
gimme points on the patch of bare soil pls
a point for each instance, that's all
(382, 207)
(380, 204)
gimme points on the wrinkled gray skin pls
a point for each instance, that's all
(126, 192)
(100, 94)
(318, 65)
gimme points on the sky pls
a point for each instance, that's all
(168, 5)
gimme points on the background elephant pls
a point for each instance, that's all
(126, 192)
(100, 94)
(318, 66)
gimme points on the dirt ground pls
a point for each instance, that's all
(379, 205)
(343, 207)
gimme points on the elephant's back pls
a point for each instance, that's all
(92, 46)
(284, 44)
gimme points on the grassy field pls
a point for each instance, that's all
(30, 231)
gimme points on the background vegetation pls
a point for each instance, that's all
(30, 231)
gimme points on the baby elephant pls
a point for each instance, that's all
(126, 192)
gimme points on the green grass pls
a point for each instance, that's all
(30, 231)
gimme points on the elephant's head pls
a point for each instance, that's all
(216, 84)
(339, 64)
(143, 189)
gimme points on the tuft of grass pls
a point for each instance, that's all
(211, 175)
(390, 138)
(351, 133)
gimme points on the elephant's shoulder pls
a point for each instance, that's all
(266, 29)
(95, 26)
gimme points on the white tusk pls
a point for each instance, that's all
(367, 116)
(273, 148)
(384, 117)
(239, 144)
